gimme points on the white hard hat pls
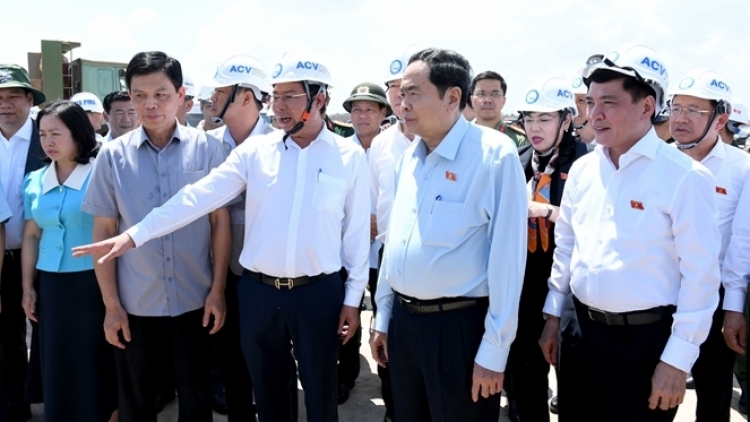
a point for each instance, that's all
(739, 112)
(578, 87)
(549, 94)
(244, 71)
(639, 62)
(88, 102)
(297, 66)
(190, 89)
(398, 64)
(205, 93)
(706, 84)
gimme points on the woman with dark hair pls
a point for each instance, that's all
(77, 364)
(547, 115)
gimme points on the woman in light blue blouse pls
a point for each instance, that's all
(77, 364)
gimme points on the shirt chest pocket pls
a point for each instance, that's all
(448, 225)
(329, 193)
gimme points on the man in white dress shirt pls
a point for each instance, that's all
(240, 86)
(454, 256)
(638, 246)
(700, 108)
(306, 202)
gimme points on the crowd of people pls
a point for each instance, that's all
(595, 235)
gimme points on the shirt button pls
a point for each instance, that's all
(56, 207)
(164, 195)
(169, 259)
(163, 174)
(60, 226)
(166, 237)
(169, 279)
(403, 242)
(398, 272)
(60, 248)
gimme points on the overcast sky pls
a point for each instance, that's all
(357, 40)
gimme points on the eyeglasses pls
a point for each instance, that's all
(494, 95)
(544, 121)
(286, 97)
(691, 113)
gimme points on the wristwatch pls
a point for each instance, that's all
(549, 212)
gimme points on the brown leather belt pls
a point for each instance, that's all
(416, 306)
(644, 317)
(286, 282)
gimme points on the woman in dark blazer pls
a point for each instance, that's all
(547, 114)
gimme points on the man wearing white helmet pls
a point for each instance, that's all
(306, 202)
(737, 120)
(240, 86)
(93, 107)
(637, 246)
(387, 147)
(190, 93)
(700, 108)
(547, 113)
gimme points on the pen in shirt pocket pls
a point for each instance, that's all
(437, 198)
(320, 170)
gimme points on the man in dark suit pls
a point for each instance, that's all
(20, 153)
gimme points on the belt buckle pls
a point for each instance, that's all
(607, 317)
(279, 283)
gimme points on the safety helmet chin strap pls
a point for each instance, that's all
(220, 118)
(720, 108)
(305, 114)
(558, 137)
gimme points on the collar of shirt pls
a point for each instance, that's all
(324, 135)
(74, 181)
(176, 135)
(717, 153)
(24, 133)
(645, 147)
(448, 147)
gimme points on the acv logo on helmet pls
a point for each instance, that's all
(240, 69)
(277, 70)
(654, 65)
(307, 65)
(564, 93)
(396, 66)
(687, 83)
(720, 85)
(532, 96)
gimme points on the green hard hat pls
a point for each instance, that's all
(15, 76)
(368, 92)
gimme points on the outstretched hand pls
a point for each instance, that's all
(108, 249)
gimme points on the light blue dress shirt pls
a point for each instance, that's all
(458, 228)
(56, 210)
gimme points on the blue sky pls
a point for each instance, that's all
(357, 40)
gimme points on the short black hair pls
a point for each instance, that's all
(114, 97)
(489, 74)
(148, 62)
(81, 130)
(637, 90)
(448, 69)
